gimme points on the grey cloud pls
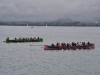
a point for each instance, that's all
(48, 10)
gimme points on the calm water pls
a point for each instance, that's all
(23, 59)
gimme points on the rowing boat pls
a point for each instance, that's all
(23, 40)
(70, 47)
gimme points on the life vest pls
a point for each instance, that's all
(59, 45)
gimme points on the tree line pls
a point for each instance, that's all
(58, 23)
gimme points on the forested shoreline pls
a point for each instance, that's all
(24, 23)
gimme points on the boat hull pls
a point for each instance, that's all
(47, 47)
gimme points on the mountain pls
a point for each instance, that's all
(96, 20)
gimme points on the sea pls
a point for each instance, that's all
(23, 59)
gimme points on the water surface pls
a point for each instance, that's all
(23, 59)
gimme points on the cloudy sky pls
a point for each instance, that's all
(49, 10)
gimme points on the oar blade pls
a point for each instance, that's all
(36, 45)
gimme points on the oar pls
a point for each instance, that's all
(36, 45)
(4, 41)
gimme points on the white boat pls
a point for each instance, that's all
(46, 26)
(27, 26)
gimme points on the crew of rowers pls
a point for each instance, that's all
(25, 39)
(72, 44)
(29, 38)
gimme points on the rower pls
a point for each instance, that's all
(58, 45)
(88, 43)
(38, 38)
(15, 38)
(52, 45)
(7, 38)
(62, 44)
(67, 44)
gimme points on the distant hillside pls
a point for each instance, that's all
(60, 22)
(65, 20)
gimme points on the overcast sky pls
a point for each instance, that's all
(48, 10)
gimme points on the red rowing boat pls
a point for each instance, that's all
(70, 47)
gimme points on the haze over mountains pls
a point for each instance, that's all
(65, 19)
